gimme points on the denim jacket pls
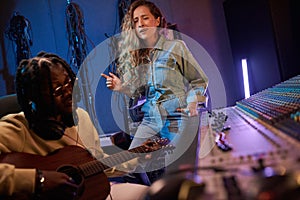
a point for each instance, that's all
(171, 70)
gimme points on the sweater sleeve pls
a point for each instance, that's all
(12, 134)
(13, 180)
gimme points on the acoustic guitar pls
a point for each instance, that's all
(79, 164)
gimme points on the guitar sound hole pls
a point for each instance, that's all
(73, 172)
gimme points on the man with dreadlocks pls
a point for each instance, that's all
(44, 86)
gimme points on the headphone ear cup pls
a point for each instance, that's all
(76, 92)
(32, 106)
(50, 129)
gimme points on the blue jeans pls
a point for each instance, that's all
(160, 120)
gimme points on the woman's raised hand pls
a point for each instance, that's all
(112, 82)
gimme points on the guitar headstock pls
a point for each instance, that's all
(152, 145)
(166, 146)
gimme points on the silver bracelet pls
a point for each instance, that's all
(39, 182)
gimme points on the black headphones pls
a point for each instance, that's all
(49, 129)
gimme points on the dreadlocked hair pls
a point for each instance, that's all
(28, 86)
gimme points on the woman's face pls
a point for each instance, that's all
(145, 23)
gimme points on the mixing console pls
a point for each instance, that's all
(265, 137)
(263, 164)
(278, 105)
(264, 160)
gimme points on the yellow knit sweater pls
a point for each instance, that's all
(15, 136)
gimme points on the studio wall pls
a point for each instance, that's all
(201, 20)
(264, 32)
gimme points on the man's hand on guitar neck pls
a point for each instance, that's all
(58, 183)
(154, 145)
(151, 145)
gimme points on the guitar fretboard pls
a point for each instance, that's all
(94, 167)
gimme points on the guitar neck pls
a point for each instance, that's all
(98, 166)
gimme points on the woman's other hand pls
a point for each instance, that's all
(191, 109)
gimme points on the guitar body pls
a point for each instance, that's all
(68, 158)
(79, 164)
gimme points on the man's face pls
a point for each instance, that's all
(62, 87)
